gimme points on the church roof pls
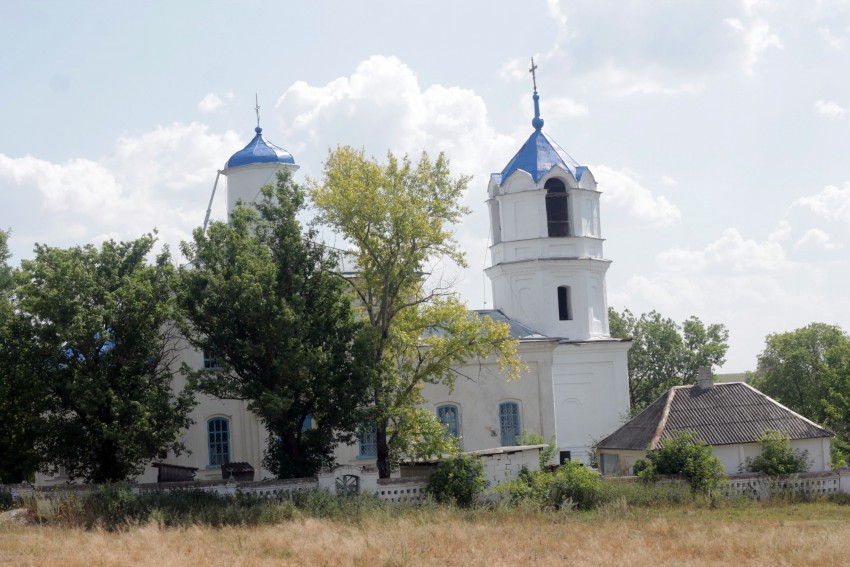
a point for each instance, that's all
(518, 330)
(540, 153)
(724, 414)
(259, 150)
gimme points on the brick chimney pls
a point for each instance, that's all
(705, 380)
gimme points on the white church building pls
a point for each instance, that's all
(548, 279)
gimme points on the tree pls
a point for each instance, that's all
(808, 370)
(21, 404)
(458, 480)
(266, 299)
(397, 217)
(665, 354)
(99, 347)
(776, 456)
(686, 455)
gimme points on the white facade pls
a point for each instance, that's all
(575, 387)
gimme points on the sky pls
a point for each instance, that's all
(718, 131)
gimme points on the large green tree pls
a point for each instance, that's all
(808, 370)
(665, 354)
(398, 218)
(99, 346)
(21, 404)
(266, 298)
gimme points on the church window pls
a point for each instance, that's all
(448, 417)
(495, 221)
(368, 441)
(565, 312)
(557, 208)
(218, 434)
(211, 361)
(509, 423)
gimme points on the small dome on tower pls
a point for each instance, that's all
(259, 150)
(540, 153)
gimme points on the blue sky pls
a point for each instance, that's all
(718, 130)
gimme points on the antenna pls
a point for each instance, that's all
(257, 106)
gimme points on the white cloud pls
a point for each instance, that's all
(515, 69)
(381, 105)
(829, 109)
(731, 252)
(816, 238)
(212, 102)
(835, 43)
(757, 39)
(555, 11)
(645, 81)
(620, 189)
(159, 179)
(667, 180)
(832, 203)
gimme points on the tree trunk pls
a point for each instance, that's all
(383, 452)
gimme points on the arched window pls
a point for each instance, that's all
(367, 445)
(449, 417)
(557, 208)
(509, 423)
(218, 436)
(565, 310)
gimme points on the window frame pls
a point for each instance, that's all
(367, 441)
(441, 417)
(565, 300)
(211, 361)
(218, 449)
(512, 421)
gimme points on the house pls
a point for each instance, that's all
(727, 416)
(548, 275)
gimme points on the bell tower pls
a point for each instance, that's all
(253, 166)
(548, 271)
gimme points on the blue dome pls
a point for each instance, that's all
(540, 153)
(259, 150)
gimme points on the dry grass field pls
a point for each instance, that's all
(774, 535)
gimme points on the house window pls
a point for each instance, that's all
(307, 423)
(509, 423)
(557, 208)
(565, 312)
(448, 417)
(218, 436)
(211, 361)
(608, 463)
(368, 441)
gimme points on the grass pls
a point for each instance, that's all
(736, 533)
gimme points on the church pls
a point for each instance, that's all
(548, 280)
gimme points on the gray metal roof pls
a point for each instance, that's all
(724, 414)
(518, 330)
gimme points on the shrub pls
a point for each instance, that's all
(776, 456)
(7, 502)
(531, 488)
(457, 480)
(686, 455)
(576, 483)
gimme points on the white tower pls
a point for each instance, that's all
(548, 272)
(252, 167)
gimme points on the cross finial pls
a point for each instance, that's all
(533, 73)
(257, 108)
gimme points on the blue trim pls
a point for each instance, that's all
(259, 150)
(218, 441)
(510, 426)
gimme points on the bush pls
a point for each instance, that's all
(531, 489)
(577, 484)
(458, 480)
(686, 455)
(776, 456)
(7, 502)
